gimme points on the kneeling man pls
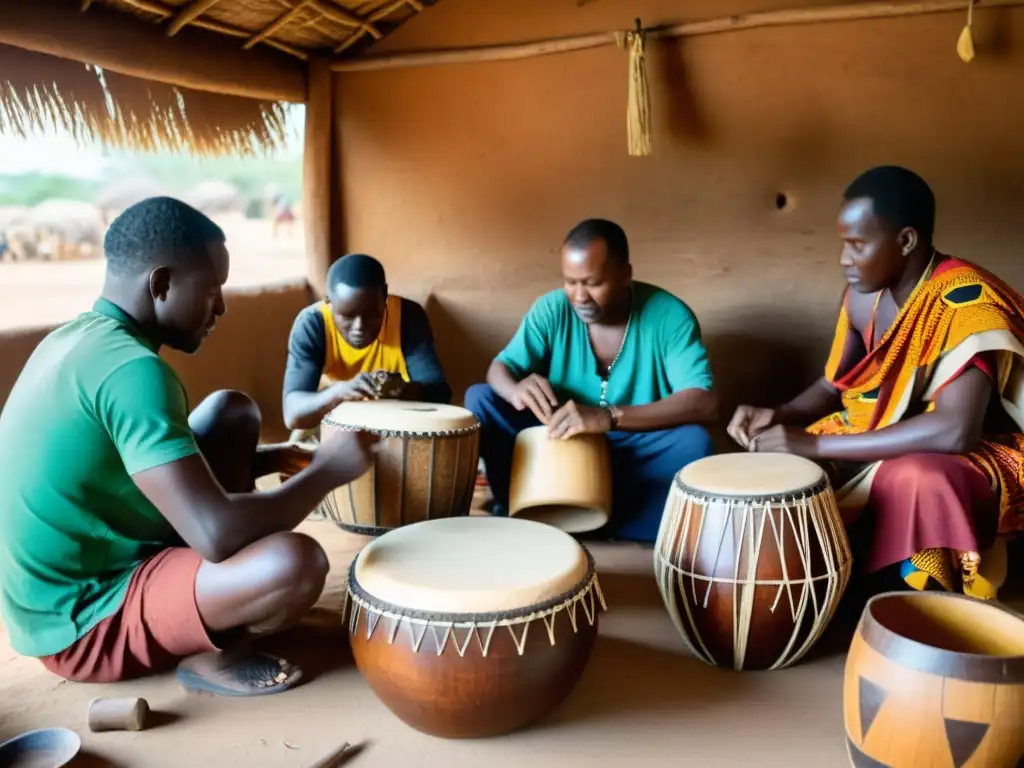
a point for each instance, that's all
(917, 414)
(605, 355)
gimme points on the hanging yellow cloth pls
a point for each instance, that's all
(343, 362)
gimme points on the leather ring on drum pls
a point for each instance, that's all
(800, 493)
(393, 433)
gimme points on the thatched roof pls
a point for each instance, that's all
(43, 87)
(297, 27)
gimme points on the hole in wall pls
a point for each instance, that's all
(784, 201)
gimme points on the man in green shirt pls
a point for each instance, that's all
(605, 355)
(131, 538)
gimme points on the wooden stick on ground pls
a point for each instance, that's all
(851, 12)
(333, 759)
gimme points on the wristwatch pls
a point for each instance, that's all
(614, 414)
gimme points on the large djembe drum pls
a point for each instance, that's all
(751, 558)
(935, 679)
(474, 626)
(425, 469)
(565, 483)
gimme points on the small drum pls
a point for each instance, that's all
(473, 626)
(751, 558)
(426, 467)
(565, 483)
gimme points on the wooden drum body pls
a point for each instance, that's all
(935, 679)
(475, 626)
(565, 483)
(426, 467)
(751, 558)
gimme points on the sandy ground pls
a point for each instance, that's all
(33, 294)
(642, 700)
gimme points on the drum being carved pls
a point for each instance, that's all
(565, 483)
(751, 558)
(935, 679)
(426, 467)
(475, 626)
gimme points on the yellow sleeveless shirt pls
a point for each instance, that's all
(343, 362)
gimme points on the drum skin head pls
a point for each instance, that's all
(750, 474)
(470, 565)
(400, 416)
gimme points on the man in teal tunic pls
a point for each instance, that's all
(603, 355)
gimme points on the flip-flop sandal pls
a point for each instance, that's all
(259, 675)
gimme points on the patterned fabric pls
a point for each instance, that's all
(957, 313)
(344, 362)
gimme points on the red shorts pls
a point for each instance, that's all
(156, 626)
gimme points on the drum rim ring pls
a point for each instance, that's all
(586, 583)
(389, 433)
(797, 494)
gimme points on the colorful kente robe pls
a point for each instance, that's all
(941, 510)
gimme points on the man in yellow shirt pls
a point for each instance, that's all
(359, 343)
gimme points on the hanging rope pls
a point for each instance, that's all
(638, 110)
(965, 45)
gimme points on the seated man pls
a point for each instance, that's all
(603, 355)
(357, 344)
(910, 414)
(130, 535)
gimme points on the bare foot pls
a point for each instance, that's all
(238, 673)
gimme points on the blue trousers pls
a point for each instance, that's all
(643, 463)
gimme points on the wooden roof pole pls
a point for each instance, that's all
(319, 176)
(118, 42)
(187, 14)
(276, 26)
(736, 23)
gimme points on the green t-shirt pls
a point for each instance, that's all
(662, 354)
(94, 405)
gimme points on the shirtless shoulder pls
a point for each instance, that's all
(858, 308)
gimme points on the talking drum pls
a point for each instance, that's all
(565, 483)
(935, 679)
(473, 626)
(751, 558)
(426, 466)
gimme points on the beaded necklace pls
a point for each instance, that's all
(622, 345)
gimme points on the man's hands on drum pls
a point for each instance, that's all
(759, 430)
(574, 419)
(363, 387)
(535, 392)
(346, 455)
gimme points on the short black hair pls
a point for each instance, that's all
(590, 230)
(356, 270)
(158, 230)
(899, 196)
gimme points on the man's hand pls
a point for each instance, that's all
(288, 459)
(782, 439)
(346, 455)
(748, 422)
(362, 387)
(391, 387)
(572, 419)
(535, 392)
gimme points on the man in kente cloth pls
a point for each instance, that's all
(359, 343)
(131, 539)
(603, 355)
(918, 415)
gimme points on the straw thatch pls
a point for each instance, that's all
(41, 92)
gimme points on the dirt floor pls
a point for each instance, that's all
(643, 700)
(34, 294)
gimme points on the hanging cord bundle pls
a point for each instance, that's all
(638, 110)
(965, 45)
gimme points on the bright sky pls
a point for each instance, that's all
(50, 154)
